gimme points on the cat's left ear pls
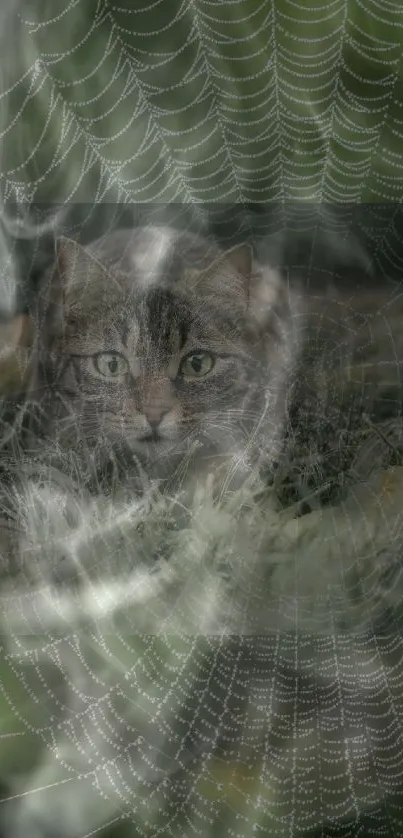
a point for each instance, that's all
(241, 258)
(228, 276)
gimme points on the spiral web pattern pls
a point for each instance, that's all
(132, 728)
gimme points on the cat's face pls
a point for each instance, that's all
(151, 345)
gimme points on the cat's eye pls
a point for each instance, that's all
(197, 365)
(110, 364)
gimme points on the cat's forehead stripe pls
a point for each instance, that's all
(165, 319)
(130, 333)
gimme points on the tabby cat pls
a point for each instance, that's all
(157, 350)
(158, 355)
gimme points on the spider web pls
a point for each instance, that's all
(199, 103)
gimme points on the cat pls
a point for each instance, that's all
(277, 347)
(157, 349)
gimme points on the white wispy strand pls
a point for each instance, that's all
(234, 565)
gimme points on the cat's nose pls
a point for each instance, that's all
(155, 415)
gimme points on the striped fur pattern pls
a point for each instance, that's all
(156, 349)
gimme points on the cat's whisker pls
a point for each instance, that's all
(237, 412)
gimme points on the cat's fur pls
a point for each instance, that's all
(155, 296)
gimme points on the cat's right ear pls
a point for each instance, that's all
(67, 252)
(65, 269)
(72, 262)
(66, 283)
(74, 267)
